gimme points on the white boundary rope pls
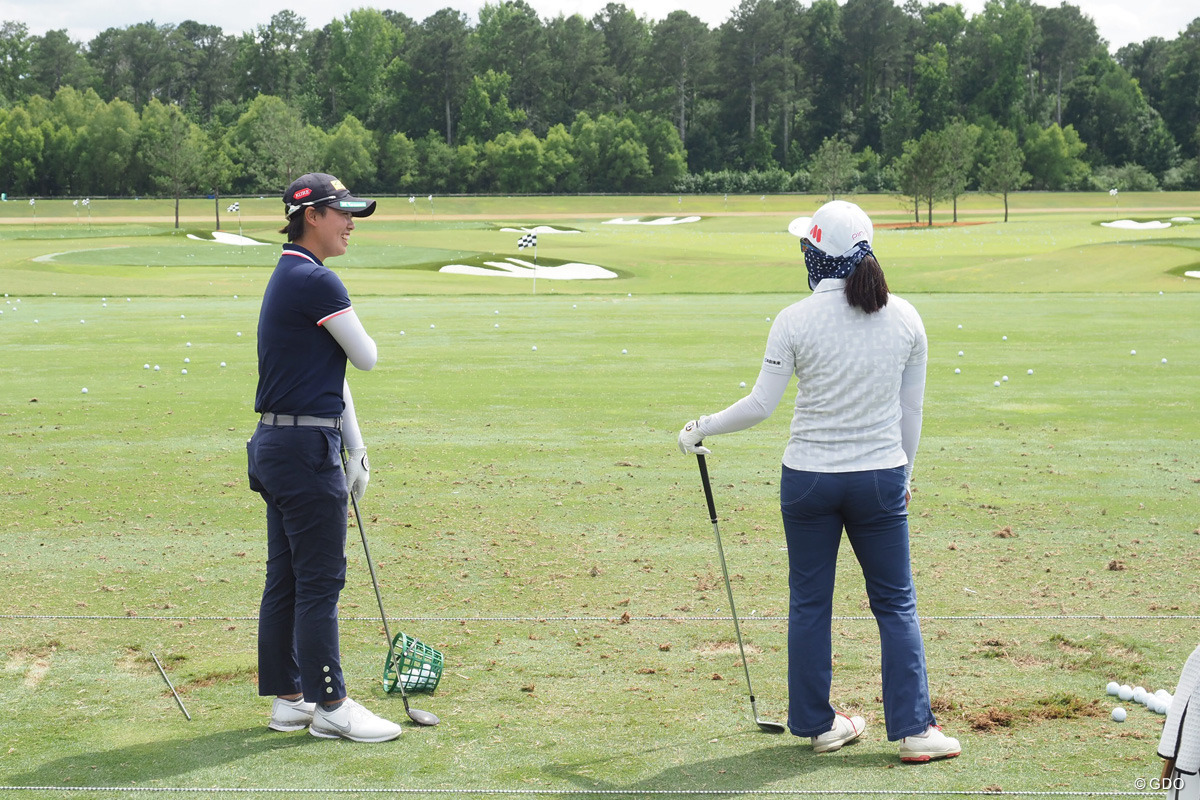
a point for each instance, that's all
(866, 618)
(589, 792)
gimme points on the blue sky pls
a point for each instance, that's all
(1119, 21)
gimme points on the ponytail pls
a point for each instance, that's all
(866, 287)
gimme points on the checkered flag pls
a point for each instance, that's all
(528, 240)
(235, 208)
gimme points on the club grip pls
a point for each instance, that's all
(712, 508)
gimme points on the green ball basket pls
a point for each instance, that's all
(412, 664)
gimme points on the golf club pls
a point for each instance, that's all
(766, 727)
(416, 715)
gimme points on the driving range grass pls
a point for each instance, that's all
(531, 517)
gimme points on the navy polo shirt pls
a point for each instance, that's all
(301, 367)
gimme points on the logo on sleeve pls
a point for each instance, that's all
(772, 362)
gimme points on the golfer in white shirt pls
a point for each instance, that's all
(859, 354)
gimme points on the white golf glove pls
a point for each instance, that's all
(358, 471)
(690, 438)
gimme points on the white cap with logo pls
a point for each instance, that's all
(836, 228)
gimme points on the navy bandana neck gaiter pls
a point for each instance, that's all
(821, 266)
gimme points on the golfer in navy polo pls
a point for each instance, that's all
(307, 330)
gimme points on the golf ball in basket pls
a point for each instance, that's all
(1118, 714)
(1125, 692)
(1112, 688)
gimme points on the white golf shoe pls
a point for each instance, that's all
(845, 729)
(352, 721)
(290, 715)
(929, 745)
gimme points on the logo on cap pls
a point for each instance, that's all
(302, 193)
(815, 234)
(336, 184)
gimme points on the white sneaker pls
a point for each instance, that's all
(352, 721)
(929, 745)
(845, 729)
(290, 715)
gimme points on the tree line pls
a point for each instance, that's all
(868, 95)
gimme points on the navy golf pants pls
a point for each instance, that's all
(298, 471)
(870, 505)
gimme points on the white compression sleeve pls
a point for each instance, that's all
(912, 398)
(350, 334)
(351, 435)
(751, 409)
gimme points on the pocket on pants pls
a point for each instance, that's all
(889, 490)
(796, 485)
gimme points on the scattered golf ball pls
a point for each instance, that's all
(1164, 361)
(187, 361)
(1028, 372)
(960, 352)
(497, 325)
(181, 316)
(742, 385)
(957, 370)
(189, 344)
(145, 366)
(239, 333)
(768, 319)
(81, 322)
(222, 363)
(84, 390)
(960, 327)
(401, 333)
(184, 372)
(1112, 688)
(497, 311)
(104, 304)
(1125, 692)
(624, 352)
(156, 368)
(1004, 338)
(995, 383)
(431, 326)
(573, 305)
(1005, 378)
(1133, 352)
(535, 347)
(1118, 714)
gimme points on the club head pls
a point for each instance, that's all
(423, 717)
(770, 727)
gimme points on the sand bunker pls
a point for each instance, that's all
(657, 221)
(1182, 219)
(221, 237)
(515, 268)
(537, 229)
(1130, 225)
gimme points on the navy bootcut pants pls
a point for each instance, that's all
(870, 505)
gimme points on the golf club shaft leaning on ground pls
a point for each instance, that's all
(416, 715)
(768, 727)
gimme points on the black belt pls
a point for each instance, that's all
(287, 420)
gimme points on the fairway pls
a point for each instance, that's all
(531, 517)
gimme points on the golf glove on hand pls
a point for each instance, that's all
(358, 471)
(690, 438)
